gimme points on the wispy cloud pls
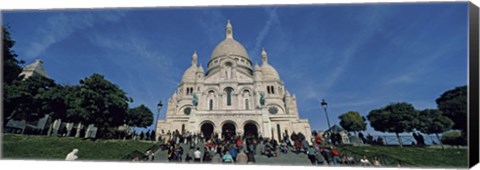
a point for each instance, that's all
(371, 24)
(213, 22)
(134, 49)
(401, 79)
(62, 25)
(272, 18)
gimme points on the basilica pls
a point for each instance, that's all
(232, 97)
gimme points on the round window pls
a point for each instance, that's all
(273, 110)
(187, 111)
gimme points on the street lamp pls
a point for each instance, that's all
(324, 105)
(159, 107)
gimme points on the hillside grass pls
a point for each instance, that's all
(56, 148)
(413, 156)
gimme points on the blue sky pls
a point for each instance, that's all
(358, 57)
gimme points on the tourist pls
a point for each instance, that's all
(350, 159)
(283, 147)
(298, 145)
(149, 155)
(251, 158)
(242, 158)
(376, 161)
(364, 161)
(72, 155)
(217, 158)
(422, 140)
(207, 156)
(318, 139)
(171, 153)
(333, 138)
(311, 155)
(319, 157)
(188, 158)
(327, 154)
(227, 158)
(232, 151)
(178, 153)
(197, 155)
(305, 145)
(369, 139)
(360, 135)
(338, 138)
(239, 143)
(335, 156)
(268, 149)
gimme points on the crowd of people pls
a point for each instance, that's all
(242, 149)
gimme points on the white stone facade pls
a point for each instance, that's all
(228, 96)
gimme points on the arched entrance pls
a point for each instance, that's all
(228, 130)
(207, 130)
(250, 129)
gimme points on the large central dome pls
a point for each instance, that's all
(229, 46)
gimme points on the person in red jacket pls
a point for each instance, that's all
(318, 139)
(336, 156)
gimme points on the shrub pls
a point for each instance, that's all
(453, 138)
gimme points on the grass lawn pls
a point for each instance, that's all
(56, 148)
(414, 156)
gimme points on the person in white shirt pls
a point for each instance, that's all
(364, 161)
(72, 155)
(197, 155)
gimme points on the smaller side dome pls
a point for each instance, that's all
(268, 71)
(200, 69)
(189, 74)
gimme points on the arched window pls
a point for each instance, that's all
(210, 107)
(246, 104)
(268, 89)
(229, 96)
(272, 89)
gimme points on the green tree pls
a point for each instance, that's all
(432, 121)
(453, 137)
(140, 116)
(353, 121)
(23, 99)
(106, 105)
(453, 104)
(75, 112)
(11, 71)
(53, 103)
(394, 118)
(11, 65)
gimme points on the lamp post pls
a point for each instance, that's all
(324, 105)
(159, 107)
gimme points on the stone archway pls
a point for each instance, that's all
(228, 130)
(250, 129)
(207, 130)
